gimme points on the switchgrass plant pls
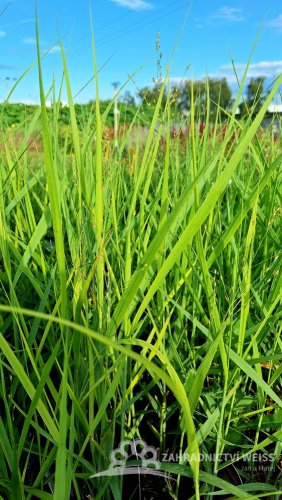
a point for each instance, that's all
(140, 299)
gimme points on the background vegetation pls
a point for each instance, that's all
(217, 91)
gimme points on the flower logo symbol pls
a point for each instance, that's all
(137, 449)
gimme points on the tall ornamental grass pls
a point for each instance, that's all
(140, 297)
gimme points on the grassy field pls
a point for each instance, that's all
(140, 298)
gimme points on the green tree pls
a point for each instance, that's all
(218, 90)
(254, 96)
(149, 95)
(127, 98)
(255, 90)
(220, 95)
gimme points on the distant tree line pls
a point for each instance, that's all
(213, 94)
(255, 96)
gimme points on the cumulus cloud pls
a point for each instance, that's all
(276, 22)
(29, 40)
(229, 14)
(2, 33)
(133, 4)
(269, 69)
(19, 23)
(28, 102)
(177, 81)
(54, 49)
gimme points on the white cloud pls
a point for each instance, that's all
(198, 22)
(19, 23)
(54, 49)
(276, 22)
(133, 4)
(230, 77)
(269, 69)
(36, 102)
(178, 80)
(2, 34)
(29, 40)
(28, 102)
(229, 14)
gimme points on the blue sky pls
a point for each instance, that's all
(126, 31)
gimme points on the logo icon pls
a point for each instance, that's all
(136, 449)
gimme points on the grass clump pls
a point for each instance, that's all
(140, 298)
